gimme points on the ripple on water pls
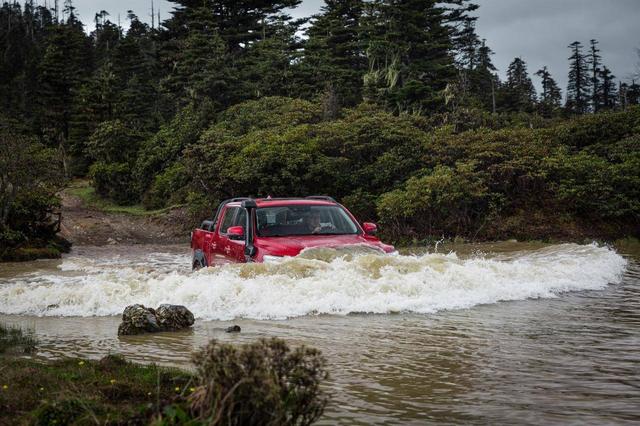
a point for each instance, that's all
(548, 339)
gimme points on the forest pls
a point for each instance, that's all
(393, 107)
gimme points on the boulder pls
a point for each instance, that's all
(137, 319)
(174, 317)
(233, 329)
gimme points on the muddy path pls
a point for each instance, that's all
(84, 225)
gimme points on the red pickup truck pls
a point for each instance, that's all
(268, 229)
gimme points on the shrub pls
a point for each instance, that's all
(601, 128)
(114, 142)
(168, 188)
(165, 148)
(446, 200)
(260, 383)
(30, 178)
(114, 181)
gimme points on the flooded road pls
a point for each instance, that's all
(498, 333)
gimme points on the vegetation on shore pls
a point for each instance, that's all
(14, 340)
(260, 383)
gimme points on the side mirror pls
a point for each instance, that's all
(370, 228)
(236, 233)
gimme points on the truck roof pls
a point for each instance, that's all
(274, 202)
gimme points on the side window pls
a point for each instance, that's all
(227, 220)
(241, 218)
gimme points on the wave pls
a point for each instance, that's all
(318, 282)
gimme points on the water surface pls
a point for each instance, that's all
(499, 333)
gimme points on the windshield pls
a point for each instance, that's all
(304, 220)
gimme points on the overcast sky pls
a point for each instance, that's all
(539, 31)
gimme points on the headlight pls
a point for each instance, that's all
(267, 258)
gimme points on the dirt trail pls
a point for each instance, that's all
(83, 225)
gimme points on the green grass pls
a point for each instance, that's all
(84, 191)
(76, 391)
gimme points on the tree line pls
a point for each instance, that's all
(129, 107)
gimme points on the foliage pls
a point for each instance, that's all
(30, 177)
(113, 142)
(164, 148)
(114, 181)
(446, 199)
(110, 390)
(264, 382)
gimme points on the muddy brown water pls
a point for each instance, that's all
(497, 333)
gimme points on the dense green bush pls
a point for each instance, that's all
(114, 181)
(30, 178)
(114, 142)
(165, 148)
(264, 382)
(168, 188)
(446, 200)
(604, 128)
(419, 179)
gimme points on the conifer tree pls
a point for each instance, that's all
(483, 79)
(334, 54)
(410, 53)
(551, 97)
(578, 86)
(607, 90)
(518, 92)
(65, 66)
(633, 93)
(595, 61)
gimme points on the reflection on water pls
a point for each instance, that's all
(552, 357)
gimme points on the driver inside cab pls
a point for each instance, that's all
(312, 222)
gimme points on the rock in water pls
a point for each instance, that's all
(233, 329)
(137, 319)
(174, 317)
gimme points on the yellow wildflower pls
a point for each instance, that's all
(81, 363)
(112, 381)
(177, 389)
(192, 389)
(5, 387)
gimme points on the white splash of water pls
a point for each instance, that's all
(339, 284)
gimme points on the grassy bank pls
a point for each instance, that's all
(265, 382)
(68, 391)
(87, 194)
(35, 249)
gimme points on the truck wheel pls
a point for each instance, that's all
(199, 261)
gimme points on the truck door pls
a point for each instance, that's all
(221, 250)
(236, 247)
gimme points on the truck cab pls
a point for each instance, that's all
(268, 229)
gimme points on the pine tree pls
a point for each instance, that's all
(333, 54)
(607, 91)
(578, 86)
(518, 92)
(595, 60)
(410, 54)
(66, 64)
(483, 79)
(551, 97)
(633, 93)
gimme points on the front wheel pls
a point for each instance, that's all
(199, 261)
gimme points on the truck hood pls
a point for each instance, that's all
(293, 245)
